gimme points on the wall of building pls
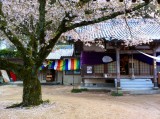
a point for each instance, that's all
(94, 81)
(68, 79)
(42, 75)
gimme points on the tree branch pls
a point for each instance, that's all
(45, 50)
(41, 23)
(11, 36)
(111, 16)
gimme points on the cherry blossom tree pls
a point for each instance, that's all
(34, 27)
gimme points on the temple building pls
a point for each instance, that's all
(117, 53)
(131, 66)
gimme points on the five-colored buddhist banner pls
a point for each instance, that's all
(66, 64)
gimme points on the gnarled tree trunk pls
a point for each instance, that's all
(32, 94)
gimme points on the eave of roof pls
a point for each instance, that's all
(122, 30)
(61, 52)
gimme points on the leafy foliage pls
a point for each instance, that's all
(7, 53)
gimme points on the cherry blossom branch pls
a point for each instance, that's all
(111, 16)
(45, 50)
(11, 36)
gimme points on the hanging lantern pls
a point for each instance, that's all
(133, 0)
(120, 0)
(158, 1)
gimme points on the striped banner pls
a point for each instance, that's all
(72, 64)
(67, 64)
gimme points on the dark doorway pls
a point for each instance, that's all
(124, 65)
(53, 73)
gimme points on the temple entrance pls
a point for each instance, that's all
(53, 73)
(124, 65)
(50, 75)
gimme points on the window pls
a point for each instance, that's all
(111, 67)
(71, 72)
(144, 69)
(99, 68)
(158, 68)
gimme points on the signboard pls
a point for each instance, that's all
(89, 69)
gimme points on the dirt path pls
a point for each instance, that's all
(86, 105)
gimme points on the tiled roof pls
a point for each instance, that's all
(61, 52)
(118, 29)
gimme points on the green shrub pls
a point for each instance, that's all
(119, 93)
(78, 90)
(84, 89)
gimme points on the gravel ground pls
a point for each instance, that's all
(85, 105)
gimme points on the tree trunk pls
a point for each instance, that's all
(32, 94)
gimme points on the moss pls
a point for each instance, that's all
(46, 101)
(26, 106)
(14, 105)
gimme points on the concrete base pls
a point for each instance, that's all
(119, 88)
(143, 92)
(155, 88)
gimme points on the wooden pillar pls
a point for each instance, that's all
(118, 67)
(155, 70)
(62, 77)
(83, 71)
(133, 76)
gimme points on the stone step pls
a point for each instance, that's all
(136, 86)
(137, 89)
(136, 83)
(134, 80)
